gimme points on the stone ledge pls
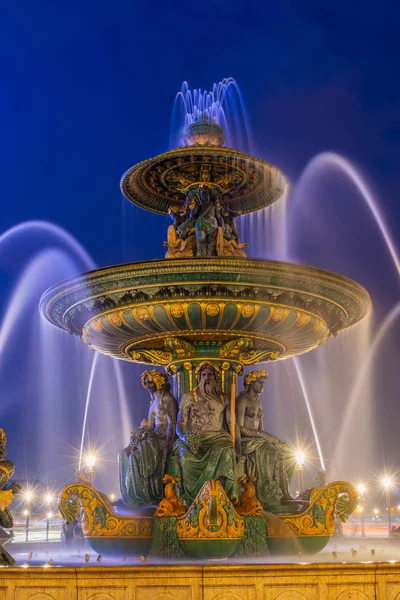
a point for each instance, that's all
(199, 582)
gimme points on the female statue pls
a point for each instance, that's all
(268, 459)
(142, 463)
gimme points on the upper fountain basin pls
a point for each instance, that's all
(267, 309)
(246, 183)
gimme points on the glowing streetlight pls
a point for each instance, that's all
(376, 512)
(28, 495)
(387, 484)
(90, 461)
(300, 459)
(48, 498)
(112, 497)
(26, 512)
(361, 490)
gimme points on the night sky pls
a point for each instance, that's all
(87, 90)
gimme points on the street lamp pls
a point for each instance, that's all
(48, 499)
(299, 455)
(361, 490)
(49, 515)
(28, 496)
(90, 461)
(387, 484)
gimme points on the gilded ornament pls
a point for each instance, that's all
(254, 375)
(319, 326)
(303, 320)
(172, 504)
(115, 319)
(155, 376)
(337, 499)
(143, 314)
(248, 503)
(211, 516)
(96, 518)
(248, 311)
(177, 311)
(279, 314)
(212, 309)
(96, 325)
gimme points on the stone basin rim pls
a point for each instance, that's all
(234, 266)
(93, 274)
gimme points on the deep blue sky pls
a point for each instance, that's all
(87, 89)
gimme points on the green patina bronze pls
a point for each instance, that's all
(202, 314)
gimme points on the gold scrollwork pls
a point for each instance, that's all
(182, 348)
(211, 516)
(337, 499)
(233, 348)
(96, 517)
(156, 357)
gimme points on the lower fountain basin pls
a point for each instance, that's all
(147, 311)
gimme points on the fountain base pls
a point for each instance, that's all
(212, 527)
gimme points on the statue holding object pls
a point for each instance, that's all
(204, 226)
(264, 456)
(204, 449)
(7, 491)
(142, 463)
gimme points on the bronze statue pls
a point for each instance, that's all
(7, 491)
(230, 244)
(142, 463)
(205, 449)
(181, 240)
(268, 459)
(204, 210)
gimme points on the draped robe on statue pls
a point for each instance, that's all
(205, 450)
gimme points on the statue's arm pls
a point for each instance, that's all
(171, 407)
(183, 419)
(151, 421)
(228, 422)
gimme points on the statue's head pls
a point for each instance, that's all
(207, 375)
(255, 380)
(174, 212)
(153, 380)
(3, 443)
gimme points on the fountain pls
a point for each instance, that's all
(203, 313)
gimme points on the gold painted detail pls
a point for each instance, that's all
(189, 368)
(177, 311)
(211, 516)
(248, 503)
(254, 375)
(257, 356)
(182, 348)
(152, 375)
(303, 319)
(96, 517)
(234, 348)
(248, 311)
(171, 505)
(155, 357)
(212, 309)
(337, 499)
(279, 313)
